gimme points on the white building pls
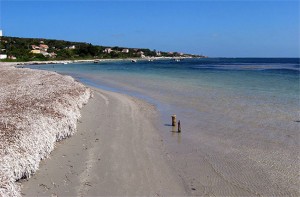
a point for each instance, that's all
(141, 53)
(107, 50)
(125, 51)
(3, 56)
(11, 57)
(1, 34)
(46, 54)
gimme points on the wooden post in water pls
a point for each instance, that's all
(174, 120)
(179, 126)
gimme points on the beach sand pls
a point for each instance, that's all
(117, 151)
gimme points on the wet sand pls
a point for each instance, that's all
(117, 151)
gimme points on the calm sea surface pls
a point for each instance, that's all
(240, 117)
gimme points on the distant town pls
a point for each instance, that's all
(38, 49)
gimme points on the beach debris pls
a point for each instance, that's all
(88, 184)
(32, 119)
(179, 126)
(55, 185)
(173, 120)
(5, 123)
(44, 186)
(68, 178)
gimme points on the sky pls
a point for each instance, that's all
(213, 28)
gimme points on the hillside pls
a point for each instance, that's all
(39, 49)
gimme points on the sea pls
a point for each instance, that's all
(240, 118)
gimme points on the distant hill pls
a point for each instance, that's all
(39, 49)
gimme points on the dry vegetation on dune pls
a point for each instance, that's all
(37, 108)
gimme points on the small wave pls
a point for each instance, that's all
(257, 67)
(283, 70)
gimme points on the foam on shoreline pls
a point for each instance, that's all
(87, 61)
(37, 108)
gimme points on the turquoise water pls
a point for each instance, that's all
(240, 111)
(276, 78)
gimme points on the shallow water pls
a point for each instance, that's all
(240, 118)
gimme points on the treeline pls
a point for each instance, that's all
(21, 50)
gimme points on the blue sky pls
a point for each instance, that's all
(213, 28)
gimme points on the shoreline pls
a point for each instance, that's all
(117, 151)
(87, 61)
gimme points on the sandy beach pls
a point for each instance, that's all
(122, 146)
(117, 151)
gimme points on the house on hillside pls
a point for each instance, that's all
(43, 47)
(35, 51)
(53, 55)
(107, 50)
(72, 47)
(11, 57)
(141, 53)
(125, 51)
(3, 56)
(34, 47)
(46, 54)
